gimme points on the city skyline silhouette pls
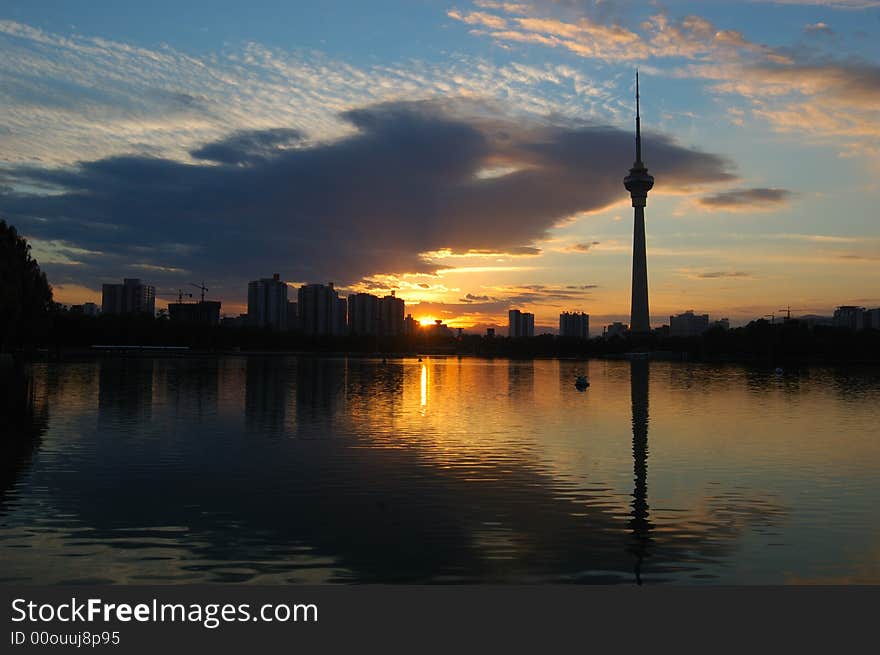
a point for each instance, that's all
(470, 164)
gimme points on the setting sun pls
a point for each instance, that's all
(427, 320)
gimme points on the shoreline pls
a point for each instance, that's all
(170, 352)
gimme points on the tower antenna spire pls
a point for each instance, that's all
(638, 124)
(638, 183)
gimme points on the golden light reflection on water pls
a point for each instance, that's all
(424, 387)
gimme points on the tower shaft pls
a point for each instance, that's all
(639, 320)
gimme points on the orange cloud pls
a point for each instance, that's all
(478, 18)
(790, 90)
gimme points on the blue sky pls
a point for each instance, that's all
(466, 154)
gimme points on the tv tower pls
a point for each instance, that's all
(638, 183)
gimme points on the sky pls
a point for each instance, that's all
(469, 155)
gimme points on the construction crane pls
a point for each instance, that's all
(181, 294)
(788, 310)
(201, 287)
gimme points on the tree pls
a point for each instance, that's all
(25, 294)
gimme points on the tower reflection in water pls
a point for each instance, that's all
(640, 524)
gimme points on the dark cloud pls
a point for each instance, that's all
(746, 199)
(470, 298)
(524, 251)
(404, 183)
(583, 247)
(248, 146)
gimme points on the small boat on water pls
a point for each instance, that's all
(581, 383)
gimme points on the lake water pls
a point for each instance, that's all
(305, 470)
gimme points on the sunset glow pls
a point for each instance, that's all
(473, 165)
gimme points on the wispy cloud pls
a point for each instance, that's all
(859, 257)
(834, 4)
(755, 199)
(714, 275)
(585, 246)
(817, 238)
(479, 18)
(818, 28)
(68, 98)
(823, 95)
(690, 37)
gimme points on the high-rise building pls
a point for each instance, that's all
(111, 299)
(688, 324)
(410, 325)
(292, 316)
(574, 324)
(520, 324)
(371, 315)
(871, 319)
(849, 316)
(391, 311)
(340, 322)
(205, 312)
(130, 297)
(363, 314)
(321, 311)
(513, 322)
(267, 303)
(638, 183)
